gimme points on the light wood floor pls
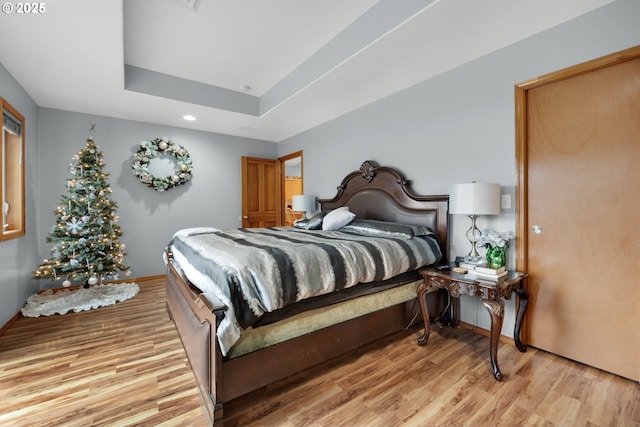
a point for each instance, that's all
(124, 365)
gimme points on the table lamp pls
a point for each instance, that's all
(474, 199)
(303, 203)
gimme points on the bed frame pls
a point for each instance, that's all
(373, 192)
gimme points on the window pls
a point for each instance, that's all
(12, 173)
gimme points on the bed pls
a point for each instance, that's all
(244, 335)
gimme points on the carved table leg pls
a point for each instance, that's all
(446, 311)
(496, 310)
(455, 312)
(523, 302)
(421, 291)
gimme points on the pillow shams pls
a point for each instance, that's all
(313, 223)
(422, 230)
(385, 229)
(337, 218)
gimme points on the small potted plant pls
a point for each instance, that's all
(496, 244)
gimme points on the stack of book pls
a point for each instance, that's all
(464, 263)
(486, 273)
(468, 266)
(481, 271)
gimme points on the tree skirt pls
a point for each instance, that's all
(48, 302)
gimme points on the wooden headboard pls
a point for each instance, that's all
(382, 193)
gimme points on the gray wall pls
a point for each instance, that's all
(148, 218)
(19, 256)
(459, 126)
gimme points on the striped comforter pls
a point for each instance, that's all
(258, 270)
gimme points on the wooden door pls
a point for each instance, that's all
(579, 211)
(261, 192)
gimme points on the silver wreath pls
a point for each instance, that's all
(151, 149)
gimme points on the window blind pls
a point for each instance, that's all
(11, 124)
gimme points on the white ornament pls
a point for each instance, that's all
(92, 280)
(74, 225)
(123, 246)
(162, 145)
(66, 283)
(127, 273)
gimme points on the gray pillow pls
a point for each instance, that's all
(313, 223)
(378, 228)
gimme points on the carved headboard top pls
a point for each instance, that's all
(382, 193)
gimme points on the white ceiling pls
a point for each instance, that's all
(255, 68)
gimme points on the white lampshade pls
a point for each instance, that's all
(475, 198)
(303, 203)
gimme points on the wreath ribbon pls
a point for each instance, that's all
(151, 149)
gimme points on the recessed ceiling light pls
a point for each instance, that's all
(189, 117)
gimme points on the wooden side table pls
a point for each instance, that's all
(491, 292)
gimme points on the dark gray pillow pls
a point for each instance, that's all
(313, 223)
(373, 227)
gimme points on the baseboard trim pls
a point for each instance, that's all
(486, 332)
(7, 325)
(138, 280)
(143, 279)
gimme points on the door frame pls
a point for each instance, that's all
(282, 160)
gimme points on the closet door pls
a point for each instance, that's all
(579, 173)
(261, 202)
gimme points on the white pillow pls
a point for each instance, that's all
(337, 218)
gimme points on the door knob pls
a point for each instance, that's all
(245, 217)
(537, 229)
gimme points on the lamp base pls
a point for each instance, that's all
(473, 236)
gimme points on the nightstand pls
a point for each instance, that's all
(492, 293)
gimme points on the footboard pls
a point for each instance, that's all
(195, 320)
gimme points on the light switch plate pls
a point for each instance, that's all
(507, 199)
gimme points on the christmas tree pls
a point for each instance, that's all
(85, 236)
